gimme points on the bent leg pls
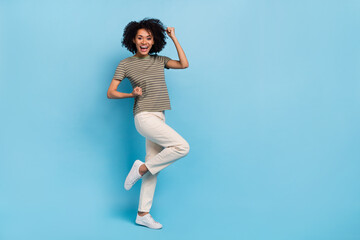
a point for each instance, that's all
(152, 126)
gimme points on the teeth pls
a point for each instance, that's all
(143, 47)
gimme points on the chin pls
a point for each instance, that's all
(144, 53)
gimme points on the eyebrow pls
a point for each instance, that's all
(147, 35)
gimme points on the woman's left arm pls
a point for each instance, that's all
(183, 62)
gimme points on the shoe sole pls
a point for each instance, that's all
(143, 225)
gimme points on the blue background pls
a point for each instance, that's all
(269, 105)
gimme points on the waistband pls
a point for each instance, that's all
(148, 112)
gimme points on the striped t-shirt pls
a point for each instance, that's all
(147, 73)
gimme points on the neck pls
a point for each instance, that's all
(141, 56)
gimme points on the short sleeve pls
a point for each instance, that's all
(164, 60)
(120, 72)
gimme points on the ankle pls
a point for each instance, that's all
(143, 169)
(142, 213)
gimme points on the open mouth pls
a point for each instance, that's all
(144, 48)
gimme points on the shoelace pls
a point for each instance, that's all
(136, 179)
(151, 218)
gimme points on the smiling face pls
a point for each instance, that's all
(143, 41)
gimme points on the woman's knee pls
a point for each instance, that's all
(183, 148)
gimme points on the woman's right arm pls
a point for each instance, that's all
(113, 93)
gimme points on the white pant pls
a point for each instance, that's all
(163, 146)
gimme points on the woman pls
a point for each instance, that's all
(146, 74)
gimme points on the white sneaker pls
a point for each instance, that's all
(133, 175)
(148, 221)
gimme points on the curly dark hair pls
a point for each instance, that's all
(155, 26)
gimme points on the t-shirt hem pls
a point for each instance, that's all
(150, 110)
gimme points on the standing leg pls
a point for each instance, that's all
(148, 180)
